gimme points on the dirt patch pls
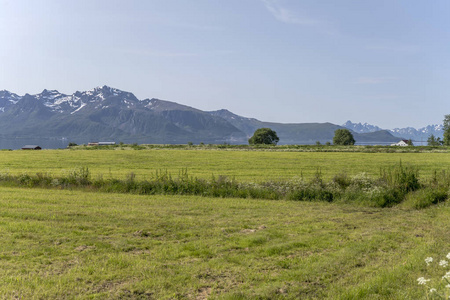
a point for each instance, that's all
(141, 233)
(203, 293)
(248, 230)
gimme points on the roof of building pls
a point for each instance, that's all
(30, 147)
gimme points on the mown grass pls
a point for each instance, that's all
(250, 166)
(65, 243)
(62, 244)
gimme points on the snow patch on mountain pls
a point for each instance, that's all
(70, 104)
(81, 106)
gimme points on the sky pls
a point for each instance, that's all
(385, 62)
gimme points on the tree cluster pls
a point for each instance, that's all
(264, 136)
(434, 141)
(446, 124)
(343, 137)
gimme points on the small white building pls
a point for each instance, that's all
(402, 143)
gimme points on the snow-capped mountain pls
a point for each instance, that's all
(98, 98)
(361, 127)
(109, 113)
(61, 103)
(420, 134)
(7, 99)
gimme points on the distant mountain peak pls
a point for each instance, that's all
(48, 94)
(8, 94)
(420, 134)
(227, 115)
(361, 127)
(107, 90)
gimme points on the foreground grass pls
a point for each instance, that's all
(255, 166)
(72, 244)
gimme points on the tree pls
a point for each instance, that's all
(264, 136)
(343, 137)
(446, 124)
(433, 141)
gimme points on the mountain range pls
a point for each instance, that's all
(414, 134)
(109, 114)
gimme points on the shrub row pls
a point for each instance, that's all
(293, 148)
(393, 186)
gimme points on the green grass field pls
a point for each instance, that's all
(80, 244)
(254, 166)
(73, 244)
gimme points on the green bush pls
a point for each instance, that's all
(425, 197)
(311, 194)
(342, 180)
(386, 197)
(404, 178)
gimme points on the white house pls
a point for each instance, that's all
(402, 143)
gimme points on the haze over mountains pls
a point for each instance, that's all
(109, 114)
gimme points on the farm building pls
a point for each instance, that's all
(402, 143)
(31, 147)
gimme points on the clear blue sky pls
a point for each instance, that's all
(384, 62)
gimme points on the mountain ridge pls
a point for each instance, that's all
(106, 113)
(412, 133)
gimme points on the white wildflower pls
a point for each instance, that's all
(422, 280)
(448, 286)
(446, 276)
(433, 291)
(428, 260)
(448, 256)
(443, 263)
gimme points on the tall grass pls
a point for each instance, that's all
(393, 186)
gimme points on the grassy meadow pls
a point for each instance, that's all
(63, 242)
(250, 166)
